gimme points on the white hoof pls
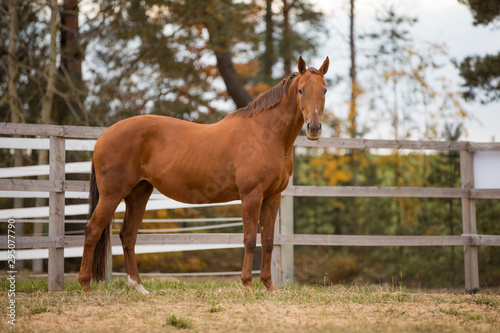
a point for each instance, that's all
(136, 286)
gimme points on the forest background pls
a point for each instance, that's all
(92, 63)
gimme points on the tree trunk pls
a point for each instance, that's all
(269, 44)
(71, 59)
(13, 100)
(220, 43)
(48, 98)
(353, 112)
(352, 75)
(287, 30)
(71, 52)
(233, 83)
(46, 113)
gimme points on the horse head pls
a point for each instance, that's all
(311, 96)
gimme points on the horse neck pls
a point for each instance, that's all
(285, 120)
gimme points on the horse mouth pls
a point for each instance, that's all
(313, 131)
(313, 137)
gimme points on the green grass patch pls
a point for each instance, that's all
(178, 322)
(215, 308)
(487, 300)
(35, 309)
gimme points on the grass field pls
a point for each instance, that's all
(224, 306)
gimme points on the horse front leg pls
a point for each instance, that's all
(250, 211)
(268, 214)
(136, 203)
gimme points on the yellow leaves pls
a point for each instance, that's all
(257, 89)
(162, 214)
(211, 71)
(247, 69)
(332, 169)
(393, 74)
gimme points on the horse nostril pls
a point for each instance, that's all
(308, 126)
(320, 126)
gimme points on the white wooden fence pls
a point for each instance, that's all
(57, 185)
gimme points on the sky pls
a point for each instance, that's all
(443, 21)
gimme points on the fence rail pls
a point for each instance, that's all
(295, 239)
(284, 238)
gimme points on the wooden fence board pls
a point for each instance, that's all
(484, 146)
(348, 143)
(471, 262)
(36, 242)
(80, 132)
(31, 185)
(373, 191)
(356, 240)
(295, 239)
(485, 193)
(76, 186)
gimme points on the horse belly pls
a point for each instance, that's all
(188, 183)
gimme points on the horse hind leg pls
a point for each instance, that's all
(135, 206)
(99, 220)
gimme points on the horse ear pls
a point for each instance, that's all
(324, 68)
(302, 65)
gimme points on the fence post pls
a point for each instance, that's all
(469, 222)
(286, 223)
(276, 261)
(56, 213)
(108, 271)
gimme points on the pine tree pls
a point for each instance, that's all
(482, 74)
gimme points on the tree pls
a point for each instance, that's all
(46, 109)
(352, 125)
(294, 41)
(156, 57)
(70, 85)
(483, 11)
(31, 59)
(482, 78)
(402, 87)
(12, 95)
(482, 74)
(223, 30)
(268, 57)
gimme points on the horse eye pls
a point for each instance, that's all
(300, 91)
(324, 91)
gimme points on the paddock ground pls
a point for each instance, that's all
(210, 305)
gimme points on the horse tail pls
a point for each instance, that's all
(101, 248)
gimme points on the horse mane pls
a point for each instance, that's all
(266, 100)
(271, 97)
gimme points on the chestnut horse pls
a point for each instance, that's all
(248, 155)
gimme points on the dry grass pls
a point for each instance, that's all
(226, 307)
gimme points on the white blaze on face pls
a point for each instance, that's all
(136, 286)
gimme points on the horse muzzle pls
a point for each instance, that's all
(313, 130)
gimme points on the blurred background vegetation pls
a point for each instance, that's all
(93, 63)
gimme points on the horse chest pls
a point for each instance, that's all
(272, 174)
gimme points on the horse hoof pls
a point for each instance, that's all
(249, 288)
(86, 291)
(137, 286)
